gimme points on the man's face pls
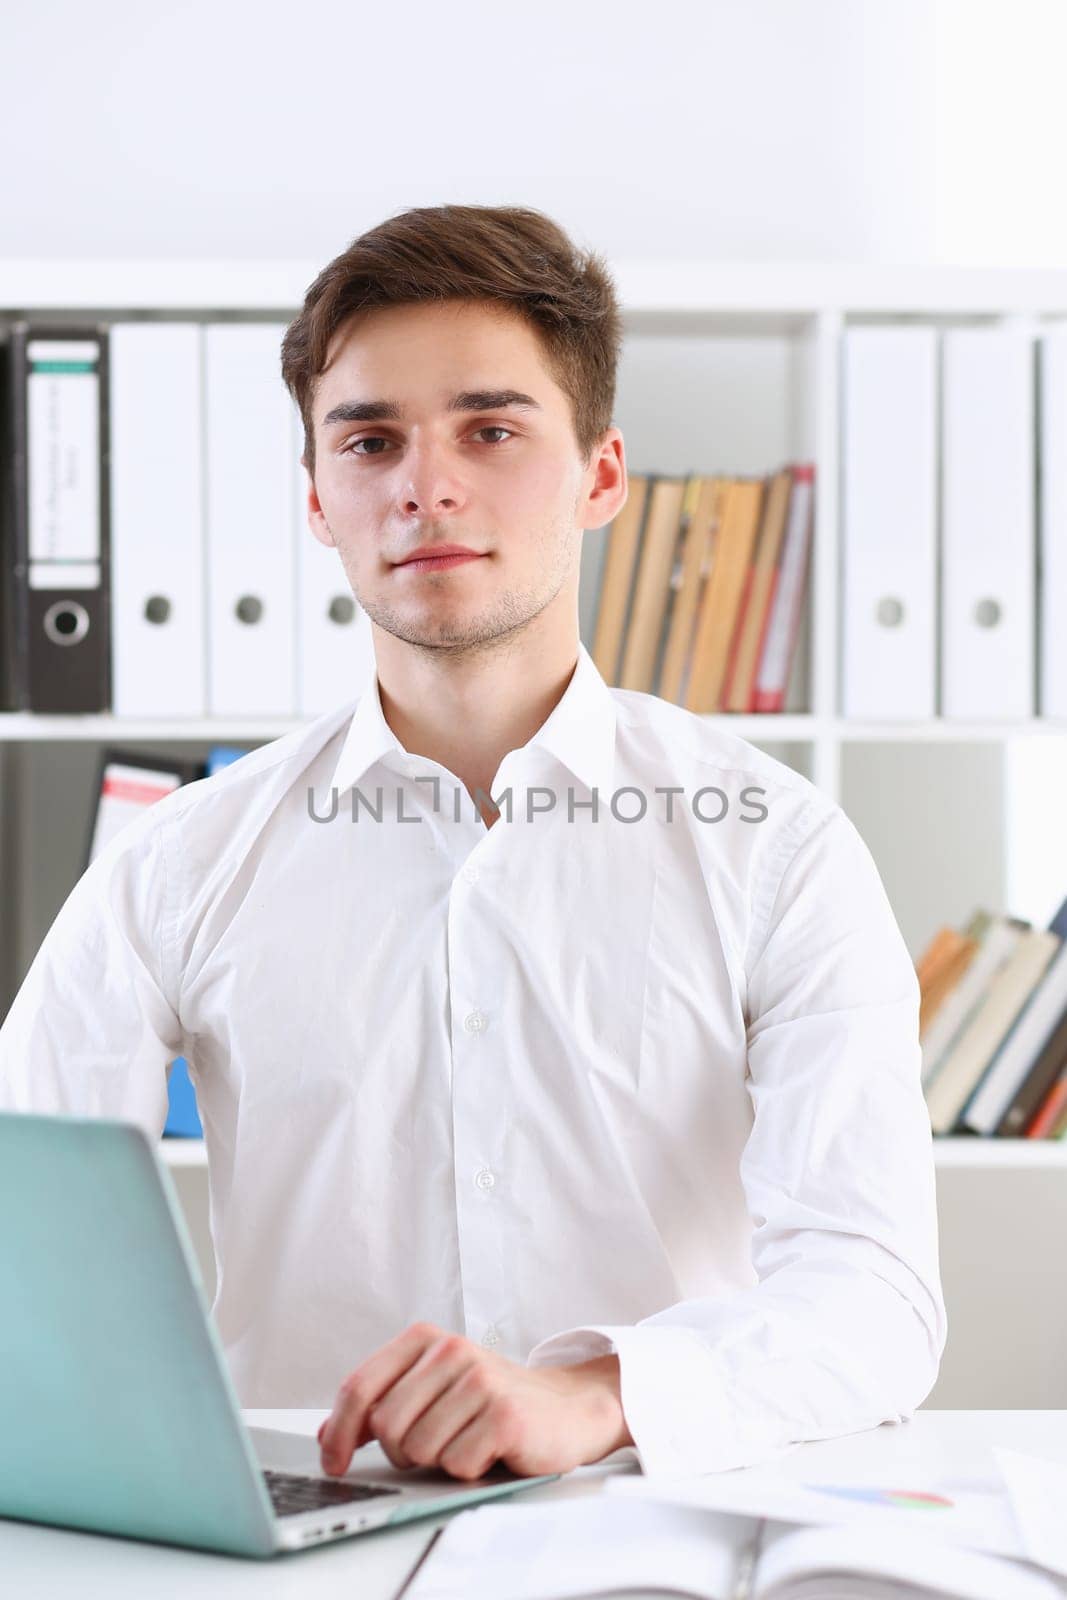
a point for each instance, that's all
(503, 480)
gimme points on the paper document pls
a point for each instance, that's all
(974, 1512)
(1038, 1493)
(587, 1546)
(852, 1564)
(603, 1545)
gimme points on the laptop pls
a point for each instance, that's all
(117, 1410)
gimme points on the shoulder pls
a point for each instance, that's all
(669, 744)
(227, 808)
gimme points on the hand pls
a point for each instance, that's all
(436, 1399)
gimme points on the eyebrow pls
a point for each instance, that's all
(466, 400)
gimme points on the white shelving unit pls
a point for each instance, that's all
(19, 727)
(972, 1154)
(733, 368)
(730, 367)
(183, 1152)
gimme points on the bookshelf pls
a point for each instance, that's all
(790, 727)
(976, 1154)
(731, 367)
(181, 1153)
(726, 367)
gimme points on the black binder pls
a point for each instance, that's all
(56, 541)
(7, 533)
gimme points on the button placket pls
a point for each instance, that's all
(479, 1094)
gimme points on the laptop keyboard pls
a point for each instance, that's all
(291, 1492)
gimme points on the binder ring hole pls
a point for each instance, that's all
(248, 609)
(342, 608)
(890, 612)
(66, 622)
(987, 613)
(157, 608)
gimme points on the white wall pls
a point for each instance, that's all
(733, 128)
(883, 130)
(999, 131)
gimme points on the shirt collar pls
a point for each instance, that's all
(579, 732)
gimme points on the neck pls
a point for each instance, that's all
(467, 710)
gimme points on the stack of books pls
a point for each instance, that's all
(701, 588)
(993, 1027)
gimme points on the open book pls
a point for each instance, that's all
(599, 1545)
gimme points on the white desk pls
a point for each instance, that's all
(42, 1562)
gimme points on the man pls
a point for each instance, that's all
(557, 1050)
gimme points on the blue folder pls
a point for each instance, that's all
(183, 1119)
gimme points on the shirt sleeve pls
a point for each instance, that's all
(846, 1326)
(94, 1028)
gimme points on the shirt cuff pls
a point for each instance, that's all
(674, 1398)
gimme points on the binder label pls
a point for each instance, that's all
(64, 451)
(64, 575)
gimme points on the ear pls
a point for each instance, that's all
(316, 520)
(608, 483)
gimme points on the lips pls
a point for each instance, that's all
(439, 558)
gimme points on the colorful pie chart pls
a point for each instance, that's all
(903, 1499)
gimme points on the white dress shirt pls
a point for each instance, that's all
(569, 1084)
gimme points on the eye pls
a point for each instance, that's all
(375, 438)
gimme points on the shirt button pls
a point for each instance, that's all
(485, 1179)
(471, 873)
(474, 1021)
(490, 1337)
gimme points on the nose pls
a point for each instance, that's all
(431, 485)
(416, 503)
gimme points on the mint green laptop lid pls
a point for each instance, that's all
(117, 1412)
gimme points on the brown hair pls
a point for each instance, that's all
(514, 256)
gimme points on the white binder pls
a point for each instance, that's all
(249, 464)
(157, 521)
(1052, 588)
(889, 540)
(334, 646)
(988, 558)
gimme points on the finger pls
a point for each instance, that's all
(475, 1448)
(396, 1456)
(345, 1427)
(429, 1380)
(427, 1437)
